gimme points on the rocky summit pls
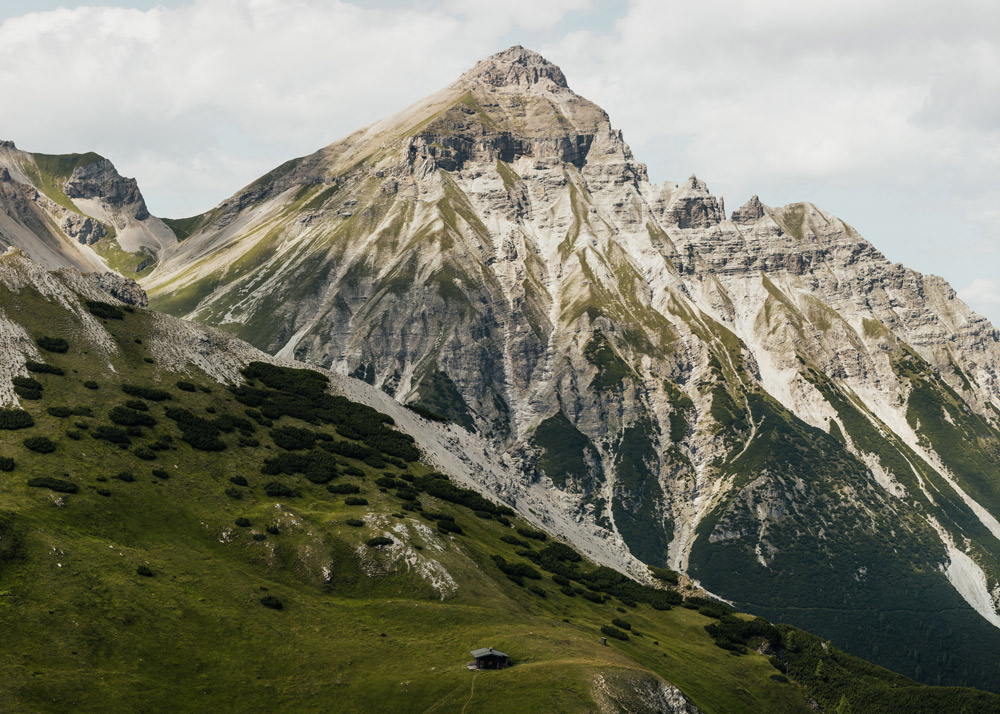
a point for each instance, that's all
(759, 400)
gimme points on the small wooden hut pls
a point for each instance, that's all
(489, 658)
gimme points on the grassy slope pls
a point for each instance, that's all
(83, 630)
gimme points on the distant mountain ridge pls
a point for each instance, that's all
(760, 400)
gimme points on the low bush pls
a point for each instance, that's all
(614, 632)
(568, 591)
(537, 591)
(137, 404)
(533, 534)
(102, 492)
(258, 536)
(272, 602)
(447, 527)
(343, 488)
(111, 434)
(618, 622)
(105, 311)
(53, 344)
(513, 540)
(355, 522)
(91, 384)
(144, 571)
(40, 444)
(133, 430)
(592, 596)
(378, 541)
(83, 411)
(272, 529)
(247, 441)
(238, 480)
(292, 438)
(355, 501)
(61, 412)
(234, 493)
(125, 476)
(6, 463)
(186, 386)
(145, 453)
(124, 416)
(42, 368)
(73, 434)
(242, 522)
(275, 489)
(27, 388)
(151, 394)
(53, 484)
(161, 474)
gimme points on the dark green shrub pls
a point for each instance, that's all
(83, 411)
(343, 488)
(247, 441)
(81, 425)
(537, 590)
(144, 571)
(568, 591)
(201, 434)
(123, 416)
(238, 480)
(53, 484)
(149, 360)
(665, 574)
(447, 527)
(408, 494)
(104, 310)
(560, 580)
(73, 434)
(53, 344)
(378, 541)
(40, 444)
(258, 536)
(27, 388)
(518, 570)
(61, 412)
(513, 540)
(533, 534)
(133, 430)
(102, 492)
(6, 463)
(356, 522)
(125, 476)
(161, 474)
(210, 409)
(272, 602)
(151, 394)
(111, 434)
(145, 454)
(234, 493)
(42, 368)
(353, 471)
(243, 522)
(275, 489)
(186, 386)
(137, 404)
(618, 622)
(592, 596)
(387, 482)
(356, 501)
(91, 384)
(293, 438)
(272, 529)
(614, 632)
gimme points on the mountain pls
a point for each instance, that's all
(76, 210)
(189, 524)
(759, 400)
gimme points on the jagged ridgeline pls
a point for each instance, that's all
(187, 526)
(760, 399)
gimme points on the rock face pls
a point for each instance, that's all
(764, 402)
(77, 211)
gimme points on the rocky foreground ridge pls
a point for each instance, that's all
(761, 400)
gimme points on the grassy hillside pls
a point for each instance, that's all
(168, 543)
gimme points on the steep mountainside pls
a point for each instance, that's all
(189, 525)
(75, 210)
(760, 400)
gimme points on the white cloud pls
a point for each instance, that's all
(983, 295)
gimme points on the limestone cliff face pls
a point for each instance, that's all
(761, 400)
(77, 211)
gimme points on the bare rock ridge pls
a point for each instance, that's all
(516, 67)
(761, 401)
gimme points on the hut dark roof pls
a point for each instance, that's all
(486, 651)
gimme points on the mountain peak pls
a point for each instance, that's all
(516, 67)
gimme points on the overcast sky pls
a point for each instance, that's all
(884, 112)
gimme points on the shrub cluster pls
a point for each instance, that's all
(111, 434)
(125, 416)
(42, 368)
(242, 522)
(318, 466)
(355, 501)
(27, 388)
(292, 438)
(150, 393)
(343, 488)
(378, 541)
(6, 463)
(40, 444)
(516, 571)
(533, 534)
(186, 386)
(355, 522)
(15, 419)
(105, 311)
(144, 571)
(91, 384)
(201, 434)
(272, 602)
(53, 344)
(53, 484)
(614, 632)
(61, 412)
(276, 489)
